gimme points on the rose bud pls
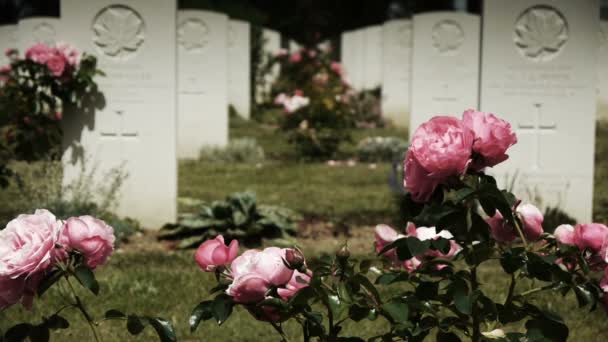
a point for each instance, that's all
(532, 221)
(212, 254)
(294, 259)
(564, 234)
(500, 230)
(343, 253)
(91, 237)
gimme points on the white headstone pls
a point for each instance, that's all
(294, 46)
(346, 53)
(134, 41)
(445, 65)
(372, 57)
(356, 75)
(8, 40)
(239, 67)
(37, 30)
(202, 103)
(272, 44)
(602, 71)
(538, 73)
(397, 55)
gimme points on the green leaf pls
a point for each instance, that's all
(48, 281)
(134, 325)
(202, 312)
(512, 260)
(222, 308)
(18, 332)
(114, 314)
(392, 277)
(417, 246)
(357, 312)
(397, 310)
(447, 337)
(344, 292)
(86, 278)
(427, 290)
(442, 245)
(546, 330)
(360, 279)
(56, 322)
(583, 296)
(40, 333)
(164, 329)
(462, 300)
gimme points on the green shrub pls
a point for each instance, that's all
(315, 99)
(39, 185)
(243, 150)
(367, 108)
(237, 217)
(379, 149)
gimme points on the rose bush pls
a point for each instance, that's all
(315, 100)
(37, 90)
(459, 220)
(38, 251)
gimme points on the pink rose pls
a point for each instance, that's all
(565, 234)
(214, 253)
(294, 285)
(27, 244)
(417, 180)
(298, 92)
(295, 58)
(493, 137)
(249, 288)
(281, 53)
(590, 236)
(91, 237)
(255, 271)
(430, 233)
(56, 64)
(70, 53)
(442, 146)
(440, 149)
(39, 53)
(385, 235)
(532, 221)
(337, 68)
(312, 53)
(412, 264)
(500, 230)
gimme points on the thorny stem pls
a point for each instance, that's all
(535, 290)
(83, 310)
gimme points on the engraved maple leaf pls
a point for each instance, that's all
(447, 37)
(541, 31)
(118, 31)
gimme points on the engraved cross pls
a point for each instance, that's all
(538, 128)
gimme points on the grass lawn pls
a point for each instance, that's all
(145, 278)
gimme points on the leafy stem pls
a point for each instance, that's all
(538, 289)
(476, 321)
(83, 310)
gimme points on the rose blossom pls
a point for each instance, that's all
(337, 68)
(70, 53)
(295, 58)
(56, 64)
(564, 234)
(39, 53)
(294, 285)
(532, 221)
(430, 233)
(500, 230)
(214, 253)
(91, 237)
(440, 148)
(27, 244)
(493, 137)
(254, 272)
(385, 235)
(590, 236)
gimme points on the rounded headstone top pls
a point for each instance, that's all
(448, 36)
(44, 32)
(118, 32)
(193, 34)
(540, 33)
